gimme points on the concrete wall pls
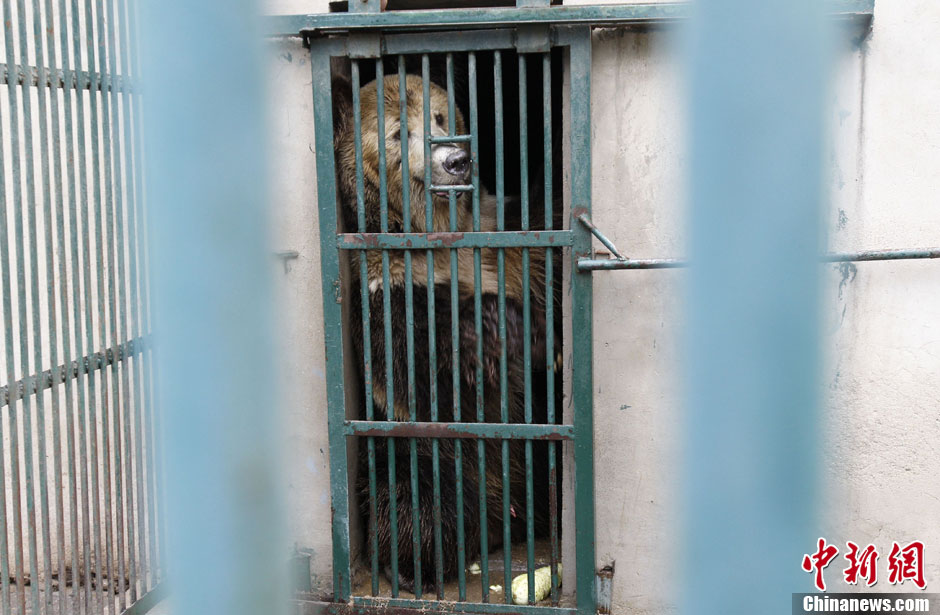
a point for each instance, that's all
(882, 320)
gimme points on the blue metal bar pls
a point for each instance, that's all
(205, 162)
(757, 78)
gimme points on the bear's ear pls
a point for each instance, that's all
(342, 105)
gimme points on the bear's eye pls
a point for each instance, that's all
(439, 119)
(397, 135)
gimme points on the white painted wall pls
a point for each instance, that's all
(881, 321)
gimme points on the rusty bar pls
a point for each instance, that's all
(457, 430)
(63, 374)
(429, 241)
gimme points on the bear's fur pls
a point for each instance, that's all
(439, 385)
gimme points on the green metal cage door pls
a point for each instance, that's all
(370, 50)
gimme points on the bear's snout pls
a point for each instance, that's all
(457, 163)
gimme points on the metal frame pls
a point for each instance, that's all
(577, 41)
(75, 177)
(857, 13)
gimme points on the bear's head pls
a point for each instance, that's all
(450, 162)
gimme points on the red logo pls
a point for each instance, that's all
(819, 560)
(907, 563)
(862, 564)
(904, 563)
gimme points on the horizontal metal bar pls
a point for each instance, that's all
(610, 264)
(59, 78)
(404, 606)
(430, 241)
(882, 255)
(452, 188)
(495, 431)
(149, 600)
(457, 41)
(452, 139)
(634, 14)
(52, 377)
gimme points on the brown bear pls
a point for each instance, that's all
(450, 164)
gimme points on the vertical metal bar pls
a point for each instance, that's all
(111, 409)
(526, 321)
(102, 162)
(223, 499)
(333, 318)
(84, 384)
(147, 438)
(6, 265)
(550, 318)
(409, 324)
(132, 329)
(387, 322)
(20, 216)
(501, 305)
(478, 324)
(71, 324)
(41, 419)
(581, 317)
(432, 331)
(61, 488)
(92, 196)
(119, 328)
(366, 323)
(455, 349)
(752, 340)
